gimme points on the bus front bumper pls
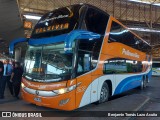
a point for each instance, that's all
(64, 101)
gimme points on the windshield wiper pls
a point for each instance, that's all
(53, 76)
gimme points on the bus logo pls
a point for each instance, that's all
(127, 52)
(37, 92)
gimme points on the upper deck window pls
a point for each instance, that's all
(96, 21)
(120, 34)
(57, 22)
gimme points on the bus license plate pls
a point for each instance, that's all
(37, 99)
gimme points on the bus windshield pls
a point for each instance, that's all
(57, 22)
(48, 63)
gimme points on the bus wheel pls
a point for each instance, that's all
(104, 95)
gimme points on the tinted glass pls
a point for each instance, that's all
(96, 21)
(48, 63)
(119, 66)
(119, 34)
(88, 54)
(57, 22)
(155, 65)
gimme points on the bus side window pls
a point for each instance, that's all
(87, 62)
(96, 52)
(115, 33)
(120, 34)
(84, 62)
(88, 54)
(80, 64)
(96, 21)
(120, 66)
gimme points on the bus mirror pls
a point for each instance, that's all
(14, 42)
(77, 35)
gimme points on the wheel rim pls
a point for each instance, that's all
(104, 94)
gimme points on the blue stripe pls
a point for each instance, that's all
(67, 38)
(133, 82)
(49, 40)
(130, 83)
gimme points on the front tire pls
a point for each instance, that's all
(104, 95)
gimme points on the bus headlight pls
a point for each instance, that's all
(61, 91)
(65, 90)
(22, 85)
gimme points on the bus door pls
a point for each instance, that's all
(96, 76)
(94, 88)
(83, 96)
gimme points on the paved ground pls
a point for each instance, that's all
(134, 100)
(152, 91)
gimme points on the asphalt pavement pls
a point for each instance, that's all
(134, 100)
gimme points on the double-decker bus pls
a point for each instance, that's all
(79, 55)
